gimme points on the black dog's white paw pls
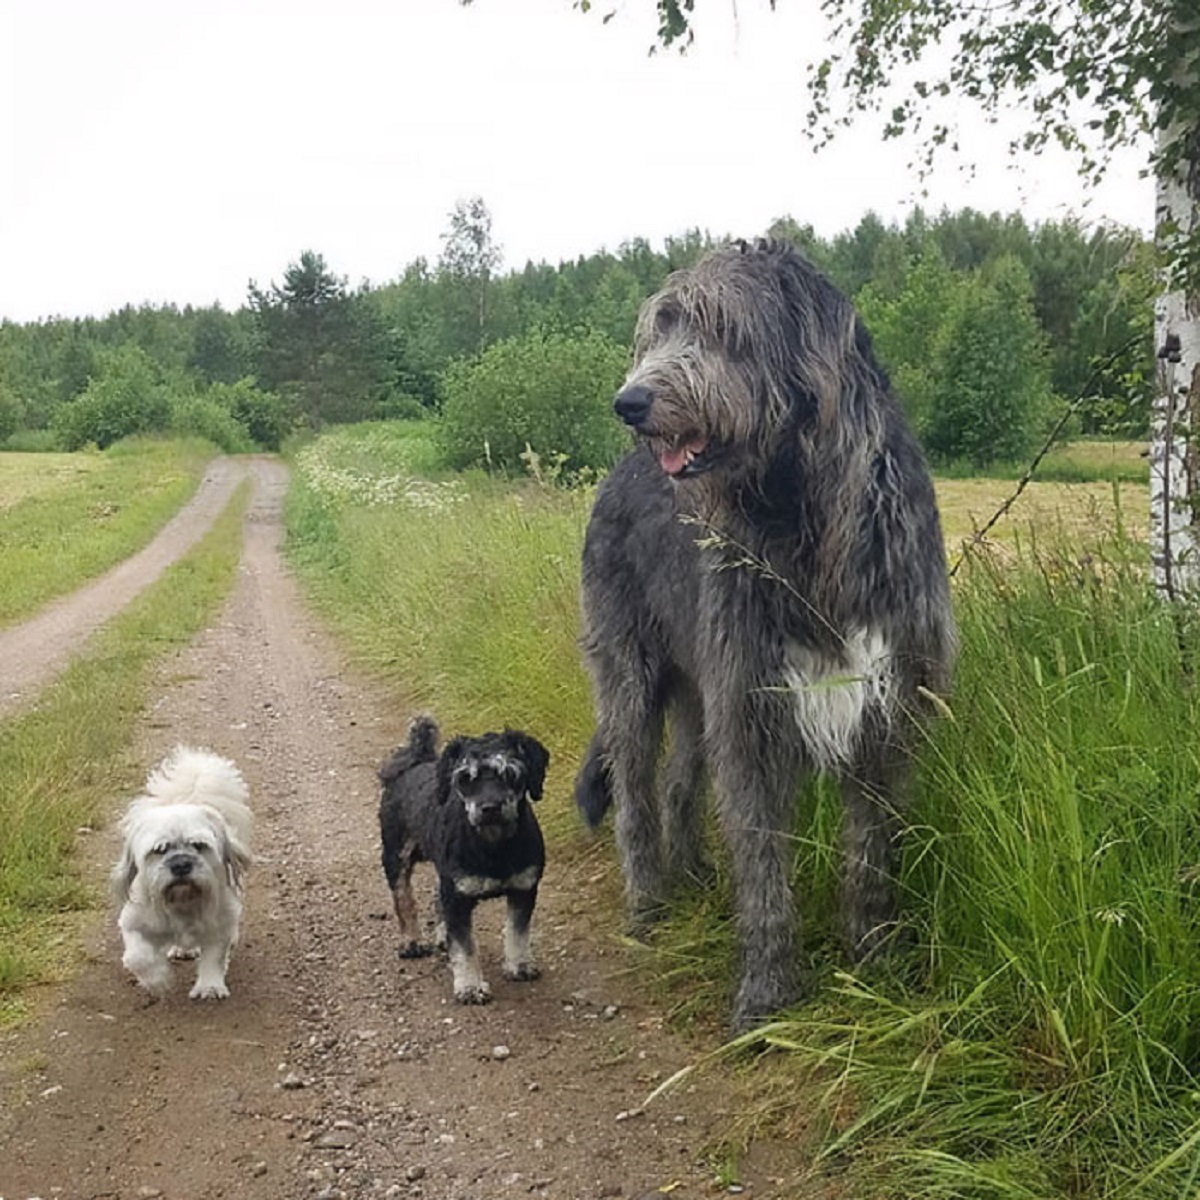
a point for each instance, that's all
(476, 993)
(522, 972)
(414, 950)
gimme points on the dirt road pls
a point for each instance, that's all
(335, 1069)
(32, 653)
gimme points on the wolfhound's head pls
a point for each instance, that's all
(734, 354)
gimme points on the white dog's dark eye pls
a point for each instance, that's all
(200, 847)
(161, 849)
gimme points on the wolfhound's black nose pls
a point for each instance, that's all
(633, 405)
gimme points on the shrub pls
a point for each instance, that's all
(33, 441)
(12, 412)
(548, 391)
(199, 416)
(992, 393)
(400, 406)
(124, 398)
(262, 414)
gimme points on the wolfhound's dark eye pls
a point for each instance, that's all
(666, 318)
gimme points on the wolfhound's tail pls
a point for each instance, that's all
(593, 784)
(420, 748)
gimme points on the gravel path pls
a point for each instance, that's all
(335, 1069)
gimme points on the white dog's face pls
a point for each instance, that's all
(176, 854)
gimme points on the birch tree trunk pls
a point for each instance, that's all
(1175, 423)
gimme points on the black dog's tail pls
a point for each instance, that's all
(593, 784)
(421, 748)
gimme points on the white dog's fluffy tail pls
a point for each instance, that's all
(192, 776)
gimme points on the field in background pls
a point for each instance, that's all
(1039, 1038)
(66, 518)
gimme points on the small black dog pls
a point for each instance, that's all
(467, 812)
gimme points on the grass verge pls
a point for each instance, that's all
(69, 517)
(1039, 1041)
(62, 763)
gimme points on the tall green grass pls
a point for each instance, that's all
(63, 763)
(462, 595)
(65, 519)
(1047, 1042)
(1041, 1039)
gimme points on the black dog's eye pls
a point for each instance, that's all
(513, 773)
(467, 783)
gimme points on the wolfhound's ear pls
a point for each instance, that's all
(446, 764)
(536, 758)
(120, 882)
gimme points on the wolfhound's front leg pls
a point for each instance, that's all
(683, 792)
(872, 795)
(757, 809)
(632, 734)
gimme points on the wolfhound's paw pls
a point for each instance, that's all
(522, 972)
(643, 917)
(477, 993)
(414, 950)
(756, 1004)
(210, 991)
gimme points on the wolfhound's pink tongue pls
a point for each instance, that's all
(673, 461)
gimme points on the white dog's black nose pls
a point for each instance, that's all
(180, 865)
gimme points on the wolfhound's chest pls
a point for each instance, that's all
(832, 697)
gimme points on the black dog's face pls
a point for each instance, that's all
(491, 777)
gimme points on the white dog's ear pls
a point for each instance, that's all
(234, 854)
(123, 874)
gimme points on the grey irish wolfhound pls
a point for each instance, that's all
(765, 571)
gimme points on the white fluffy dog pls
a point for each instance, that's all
(179, 878)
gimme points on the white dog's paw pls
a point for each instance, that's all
(182, 954)
(473, 993)
(153, 977)
(209, 990)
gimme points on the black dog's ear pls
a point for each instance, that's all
(446, 765)
(536, 758)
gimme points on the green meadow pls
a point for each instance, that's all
(66, 518)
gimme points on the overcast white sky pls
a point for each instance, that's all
(173, 150)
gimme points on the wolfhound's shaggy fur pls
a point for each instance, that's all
(767, 570)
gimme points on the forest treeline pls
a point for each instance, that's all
(988, 325)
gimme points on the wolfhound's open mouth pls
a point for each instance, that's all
(684, 456)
